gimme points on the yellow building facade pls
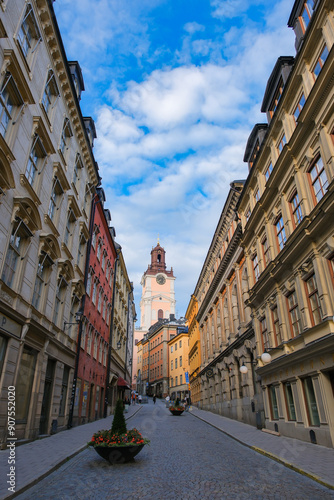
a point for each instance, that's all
(194, 350)
(179, 365)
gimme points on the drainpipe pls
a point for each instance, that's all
(110, 339)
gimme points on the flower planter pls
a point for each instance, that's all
(118, 454)
(176, 412)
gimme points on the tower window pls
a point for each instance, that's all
(159, 257)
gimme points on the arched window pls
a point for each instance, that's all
(160, 314)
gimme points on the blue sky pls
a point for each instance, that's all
(175, 88)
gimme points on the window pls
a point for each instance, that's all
(266, 251)
(254, 153)
(268, 171)
(77, 171)
(276, 98)
(28, 35)
(256, 268)
(95, 233)
(51, 93)
(65, 136)
(311, 402)
(10, 98)
(299, 107)
(318, 179)
(296, 209)
(290, 405)
(99, 305)
(175, 380)
(314, 301)
(280, 232)
(89, 282)
(281, 143)
(320, 62)
(55, 199)
(59, 300)
(81, 250)
(69, 228)
(306, 13)
(99, 248)
(175, 363)
(18, 242)
(273, 402)
(257, 195)
(171, 365)
(248, 214)
(37, 158)
(181, 362)
(294, 314)
(44, 264)
(175, 346)
(276, 325)
(264, 334)
(171, 349)
(181, 379)
(180, 343)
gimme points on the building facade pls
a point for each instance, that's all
(225, 326)
(47, 177)
(287, 216)
(94, 330)
(194, 351)
(179, 386)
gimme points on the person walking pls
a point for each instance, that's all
(154, 398)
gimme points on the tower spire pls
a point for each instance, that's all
(158, 239)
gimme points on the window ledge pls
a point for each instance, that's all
(24, 182)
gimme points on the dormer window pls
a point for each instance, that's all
(277, 97)
(306, 13)
(254, 153)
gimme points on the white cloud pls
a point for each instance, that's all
(170, 143)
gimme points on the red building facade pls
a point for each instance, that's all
(95, 324)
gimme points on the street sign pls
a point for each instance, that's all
(187, 377)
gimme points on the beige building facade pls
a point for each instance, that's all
(225, 326)
(47, 176)
(287, 216)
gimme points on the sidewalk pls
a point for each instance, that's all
(39, 458)
(314, 461)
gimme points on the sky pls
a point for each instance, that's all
(175, 88)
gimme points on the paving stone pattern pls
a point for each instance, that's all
(186, 459)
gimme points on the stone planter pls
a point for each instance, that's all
(176, 412)
(118, 454)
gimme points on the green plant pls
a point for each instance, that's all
(108, 438)
(118, 424)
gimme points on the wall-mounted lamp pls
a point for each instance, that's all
(78, 317)
(243, 368)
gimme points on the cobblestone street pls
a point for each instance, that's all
(186, 458)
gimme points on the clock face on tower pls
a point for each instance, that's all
(160, 279)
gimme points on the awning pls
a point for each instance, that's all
(122, 383)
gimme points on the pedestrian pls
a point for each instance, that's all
(154, 398)
(133, 397)
(139, 399)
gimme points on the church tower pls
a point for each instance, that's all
(158, 295)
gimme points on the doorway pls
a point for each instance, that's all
(44, 421)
